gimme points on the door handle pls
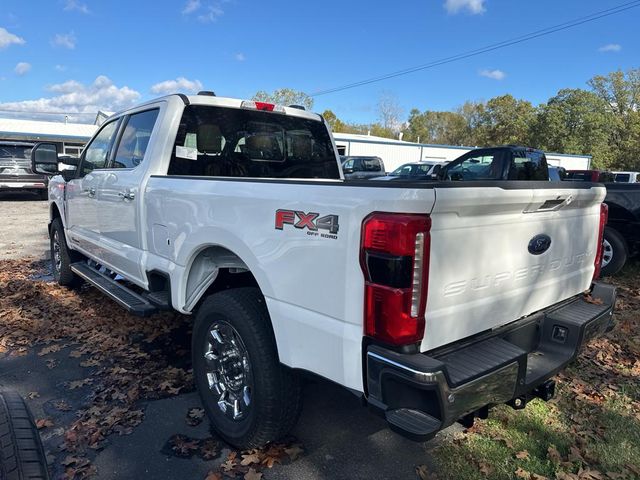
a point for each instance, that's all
(91, 192)
(127, 195)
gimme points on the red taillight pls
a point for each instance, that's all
(395, 261)
(604, 216)
(267, 107)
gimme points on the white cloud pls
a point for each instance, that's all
(493, 74)
(191, 6)
(205, 13)
(610, 47)
(22, 68)
(76, 5)
(65, 40)
(60, 68)
(77, 97)
(240, 57)
(180, 84)
(211, 13)
(471, 6)
(8, 38)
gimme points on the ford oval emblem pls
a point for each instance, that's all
(539, 244)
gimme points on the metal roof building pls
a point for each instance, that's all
(71, 137)
(397, 152)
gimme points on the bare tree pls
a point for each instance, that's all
(390, 112)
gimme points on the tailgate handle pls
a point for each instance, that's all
(552, 204)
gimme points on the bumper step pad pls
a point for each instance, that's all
(471, 362)
(126, 297)
(413, 423)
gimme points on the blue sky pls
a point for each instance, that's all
(80, 55)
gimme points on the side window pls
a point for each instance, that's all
(528, 166)
(97, 153)
(477, 167)
(371, 165)
(135, 139)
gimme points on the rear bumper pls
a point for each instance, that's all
(420, 394)
(36, 184)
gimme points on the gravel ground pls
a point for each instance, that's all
(24, 226)
(342, 440)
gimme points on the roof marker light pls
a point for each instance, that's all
(262, 106)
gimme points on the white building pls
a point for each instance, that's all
(397, 152)
(70, 137)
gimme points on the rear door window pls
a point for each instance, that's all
(528, 165)
(232, 142)
(371, 164)
(135, 139)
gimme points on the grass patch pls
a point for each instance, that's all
(593, 424)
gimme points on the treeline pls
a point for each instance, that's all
(602, 120)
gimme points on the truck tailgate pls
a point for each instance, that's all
(488, 263)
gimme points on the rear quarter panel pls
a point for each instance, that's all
(313, 284)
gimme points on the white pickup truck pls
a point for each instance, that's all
(433, 300)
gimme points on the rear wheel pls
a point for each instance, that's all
(250, 398)
(62, 257)
(21, 453)
(614, 254)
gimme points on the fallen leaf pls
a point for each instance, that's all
(213, 476)
(521, 473)
(554, 454)
(43, 423)
(522, 455)
(252, 475)
(194, 416)
(294, 451)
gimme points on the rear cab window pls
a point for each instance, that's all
(230, 142)
(528, 165)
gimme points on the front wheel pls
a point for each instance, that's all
(250, 398)
(62, 257)
(614, 252)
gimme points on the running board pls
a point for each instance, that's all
(413, 424)
(134, 303)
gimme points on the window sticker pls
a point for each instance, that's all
(186, 152)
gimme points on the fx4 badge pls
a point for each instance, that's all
(310, 221)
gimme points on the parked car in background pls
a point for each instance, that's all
(622, 234)
(509, 162)
(557, 174)
(410, 171)
(362, 167)
(595, 176)
(626, 177)
(15, 169)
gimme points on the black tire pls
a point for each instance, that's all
(61, 267)
(21, 453)
(275, 389)
(619, 252)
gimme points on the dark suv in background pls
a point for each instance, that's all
(362, 167)
(15, 169)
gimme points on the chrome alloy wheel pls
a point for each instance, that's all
(57, 257)
(607, 253)
(228, 370)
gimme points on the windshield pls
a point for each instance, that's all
(18, 152)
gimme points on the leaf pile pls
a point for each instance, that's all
(125, 356)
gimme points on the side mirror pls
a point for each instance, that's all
(347, 170)
(44, 158)
(435, 172)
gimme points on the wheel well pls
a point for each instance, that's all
(214, 269)
(55, 213)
